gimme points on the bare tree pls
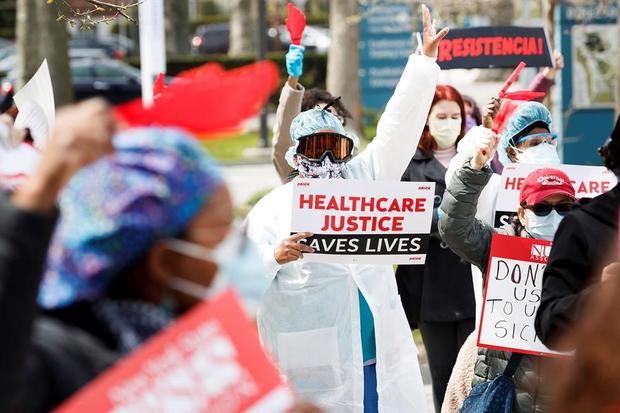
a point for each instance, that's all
(49, 41)
(177, 26)
(243, 28)
(86, 14)
(343, 57)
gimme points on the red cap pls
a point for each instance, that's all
(543, 183)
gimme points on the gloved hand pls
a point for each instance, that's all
(295, 60)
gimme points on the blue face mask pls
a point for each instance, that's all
(542, 227)
(239, 264)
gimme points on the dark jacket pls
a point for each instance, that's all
(42, 361)
(442, 289)
(584, 244)
(471, 238)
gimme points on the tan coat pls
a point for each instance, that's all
(462, 376)
(289, 106)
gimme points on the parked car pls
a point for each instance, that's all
(211, 38)
(116, 47)
(215, 38)
(113, 80)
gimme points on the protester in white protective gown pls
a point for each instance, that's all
(338, 332)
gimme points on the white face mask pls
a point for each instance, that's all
(445, 131)
(542, 227)
(239, 264)
(543, 153)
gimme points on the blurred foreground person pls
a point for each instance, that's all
(145, 235)
(590, 381)
(585, 243)
(41, 361)
(138, 240)
(319, 320)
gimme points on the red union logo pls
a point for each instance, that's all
(540, 252)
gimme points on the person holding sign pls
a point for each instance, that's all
(438, 296)
(338, 332)
(546, 196)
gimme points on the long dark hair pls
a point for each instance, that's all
(442, 92)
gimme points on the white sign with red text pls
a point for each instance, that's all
(364, 222)
(588, 181)
(512, 295)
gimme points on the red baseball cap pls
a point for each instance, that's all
(543, 183)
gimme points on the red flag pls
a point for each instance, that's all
(295, 23)
(207, 100)
(160, 85)
(524, 95)
(511, 79)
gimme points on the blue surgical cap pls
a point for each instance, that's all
(312, 121)
(527, 114)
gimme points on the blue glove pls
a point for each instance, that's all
(295, 60)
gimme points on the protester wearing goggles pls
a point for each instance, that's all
(319, 320)
(322, 146)
(546, 196)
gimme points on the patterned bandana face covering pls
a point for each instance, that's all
(326, 168)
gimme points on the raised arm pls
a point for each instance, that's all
(289, 106)
(401, 125)
(81, 135)
(466, 235)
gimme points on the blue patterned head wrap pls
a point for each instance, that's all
(115, 209)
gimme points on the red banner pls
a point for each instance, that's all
(208, 361)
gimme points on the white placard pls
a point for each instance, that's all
(588, 181)
(512, 295)
(364, 222)
(35, 102)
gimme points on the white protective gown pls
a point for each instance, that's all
(310, 319)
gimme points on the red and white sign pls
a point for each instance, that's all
(588, 181)
(512, 295)
(364, 222)
(208, 361)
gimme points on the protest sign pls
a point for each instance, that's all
(364, 222)
(588, 181)
(36, 112)
(35, 102)
(208, 361)
(512, 295)
(494, 46)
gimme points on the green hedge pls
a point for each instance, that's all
(315, 66)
